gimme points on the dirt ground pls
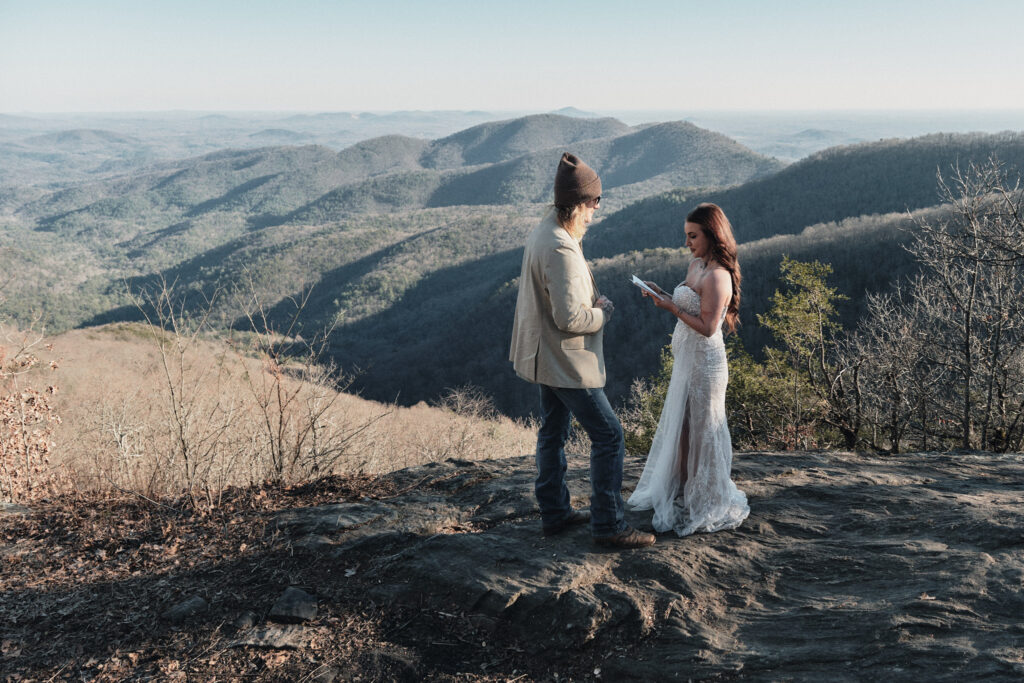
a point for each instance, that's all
(850, 567)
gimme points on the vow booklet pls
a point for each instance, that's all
(640, 283)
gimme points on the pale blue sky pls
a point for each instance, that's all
(309, 55)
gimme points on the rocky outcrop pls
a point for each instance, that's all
(849, 567)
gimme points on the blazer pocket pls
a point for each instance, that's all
(574, 343)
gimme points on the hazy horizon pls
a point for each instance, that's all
(515, 113)
(455, 55)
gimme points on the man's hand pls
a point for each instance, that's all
(606, 305)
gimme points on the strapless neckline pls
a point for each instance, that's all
(687, 298)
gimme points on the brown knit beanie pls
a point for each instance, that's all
(575, 182)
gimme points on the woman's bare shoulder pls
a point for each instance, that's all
(718, 272)
(716, 277)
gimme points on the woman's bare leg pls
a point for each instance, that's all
(684, 453)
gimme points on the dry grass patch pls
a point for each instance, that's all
(119, 429)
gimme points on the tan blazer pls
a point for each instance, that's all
(557, 336)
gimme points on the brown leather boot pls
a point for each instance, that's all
(627, 538)
(575, 517)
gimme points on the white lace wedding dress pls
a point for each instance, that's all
(710, 500)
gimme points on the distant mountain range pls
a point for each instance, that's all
(412, 246)
(78, 139)
(484, 165)
(841, 182)
(33, 149)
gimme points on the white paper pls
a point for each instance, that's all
(640, 283)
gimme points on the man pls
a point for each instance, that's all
(557, 344)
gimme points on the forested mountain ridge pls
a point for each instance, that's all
(499, 141)
(838, 183)
(174, 211)
(290, 184)
(386, 154)
(643, 161)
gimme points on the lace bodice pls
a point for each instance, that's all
(686, 299)
(689, 301)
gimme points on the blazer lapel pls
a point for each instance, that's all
(593, 282)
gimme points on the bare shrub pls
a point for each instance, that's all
(899, 382)
(26, 422)
(294, 392)
(117, 424)
(464, 425)
(466, 434)
(468, 401)
(200, 430)
(961, 321)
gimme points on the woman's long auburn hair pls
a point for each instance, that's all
(718, 230)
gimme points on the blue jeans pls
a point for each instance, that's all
(608, 450)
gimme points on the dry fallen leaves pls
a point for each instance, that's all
(10, 649)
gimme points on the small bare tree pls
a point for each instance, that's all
(899, 379)
(200, 416)
(295, 393)
(972, 294)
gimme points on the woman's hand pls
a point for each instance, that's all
(655, 287)
(662, 301)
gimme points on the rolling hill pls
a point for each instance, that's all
(838, 183)
(79, 140)
(491, 143)
(199, 209)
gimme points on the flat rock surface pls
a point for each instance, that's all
(186, 608)
(7, 508)
(850, 567)
(294, 606)
(275, 637)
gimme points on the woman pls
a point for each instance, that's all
(692, 452)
